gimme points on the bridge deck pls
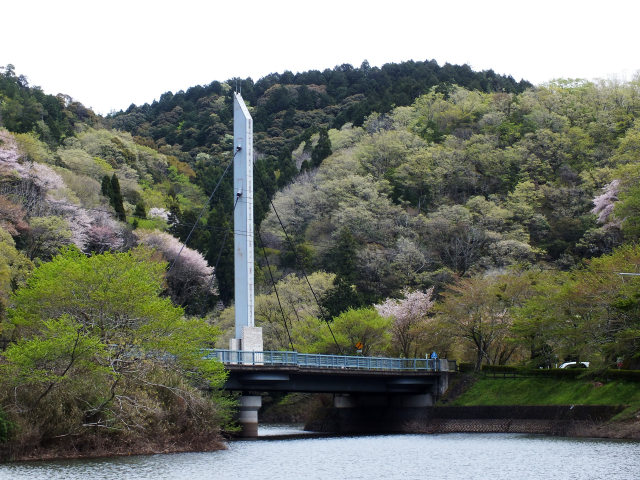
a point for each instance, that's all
(318, 361)
(298, 372)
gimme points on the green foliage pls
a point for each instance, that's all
(25, 109)
(220, 252)
(140, 211)
(34, 149)
(341, 258)
(508, 180)
(94, 290)
(111, 189)
(59, 353)
(591, 314)
(300, 308)
(47, 236)
(466, 367)
(15, 267)
(151, 223)
(322, 149)
(363, 326)
(340, 298)
(549, 391)
(114, 296)
(107, 189)
(628, 209)
(477, 311)
(97, 349)
(626, 375)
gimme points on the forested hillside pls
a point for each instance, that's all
(465, 182)
(514, 212)
(429, 208)
(195, 126)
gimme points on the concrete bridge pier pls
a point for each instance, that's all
(248, 407)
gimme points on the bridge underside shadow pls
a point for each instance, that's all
(351, 414)
(364, 401)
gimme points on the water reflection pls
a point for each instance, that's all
(278, 429)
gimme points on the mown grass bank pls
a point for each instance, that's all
(485, 390)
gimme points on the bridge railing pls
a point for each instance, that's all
(312, 360)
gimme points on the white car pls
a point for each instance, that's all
(574, 365)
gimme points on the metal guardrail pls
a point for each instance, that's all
(311, 360)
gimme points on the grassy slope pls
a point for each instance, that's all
(549, 391)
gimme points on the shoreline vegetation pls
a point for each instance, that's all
(161, 446)
(102, 363)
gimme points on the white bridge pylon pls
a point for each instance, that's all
(248, 336)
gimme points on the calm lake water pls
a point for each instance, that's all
(406, 457)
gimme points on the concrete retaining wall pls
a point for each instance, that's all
(551, 420)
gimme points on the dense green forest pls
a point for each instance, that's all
(430, 208)
(288, 109)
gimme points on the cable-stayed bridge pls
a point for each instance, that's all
(358, 383)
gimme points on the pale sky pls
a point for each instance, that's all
(109, 54)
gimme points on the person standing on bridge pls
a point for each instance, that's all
(434, 359)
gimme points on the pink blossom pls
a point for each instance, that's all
(414, 305)
(409, 316)
(155, 212)
(189, 274)
(604, 203)
(9, 153)
(11, 163)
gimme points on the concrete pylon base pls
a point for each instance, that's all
(248, 415)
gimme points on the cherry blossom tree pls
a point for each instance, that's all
(12, 217)
(410, 319)
(104, 234)
(162, 213)
(32, 190)
(189, 277)
(604, 203)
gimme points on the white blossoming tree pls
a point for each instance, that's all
(603, 204)
(189, 277)
(410, 326)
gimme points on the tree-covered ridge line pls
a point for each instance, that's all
(197, 120)
(25, 109)
(518, 210)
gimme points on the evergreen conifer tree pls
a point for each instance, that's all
(107, 191)
(140, 211)
(322, 150)
(116, 199)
